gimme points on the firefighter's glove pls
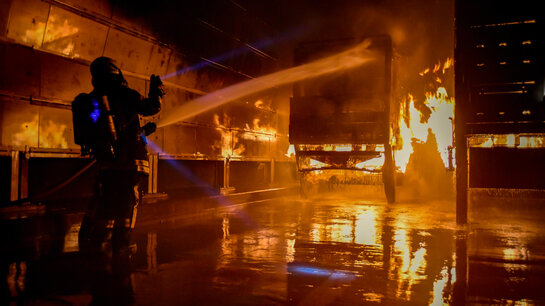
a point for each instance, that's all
(149, 128)
(156, 88)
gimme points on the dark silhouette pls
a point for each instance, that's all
(107, 127)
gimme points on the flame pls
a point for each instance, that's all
(415, 127)
(260, 104)
(316, 164)
(448, 64)
(337, 147)
(57, 30)
(520, 141)
(49, 135)
(35, 35)
(27, 135)
(230, 138)
(258, 132)
(58, 35)
(531, 141)
(436, 67)
(409, 128)
(229, 141)
(371, 164)
(52, 135)
(488, 143)
(424, 72)
(343, 148)
(291, 151)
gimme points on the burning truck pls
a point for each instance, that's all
(341, 121)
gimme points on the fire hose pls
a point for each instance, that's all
(57, 187)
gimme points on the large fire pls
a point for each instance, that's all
(413, 127)
(56, 34)
(434, 115)
(230, 141)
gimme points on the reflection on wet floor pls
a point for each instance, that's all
(326, 251)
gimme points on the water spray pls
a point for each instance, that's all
(351, 58)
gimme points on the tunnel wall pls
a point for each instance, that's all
(507, 168)
(46, 48)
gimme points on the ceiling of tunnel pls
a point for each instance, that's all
(414, 25)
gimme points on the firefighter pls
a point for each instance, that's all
(107, 127)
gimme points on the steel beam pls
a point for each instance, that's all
(14, 186)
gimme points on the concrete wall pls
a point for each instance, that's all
(46, 47)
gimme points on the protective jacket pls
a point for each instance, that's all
(107, 126)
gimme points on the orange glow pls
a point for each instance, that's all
(366, 232)
(411, 264)
(488, 143)
(424, 72)
(35, 35)
(291, 151)
(28, 134)
(58, 34)
(372, 164)
(260, 133)
(441, 120)
(448, 64)
(520, 141)
(413, 127)
(436, 67)
(45, 135)
(409, 128)
(229, 141)
(439, 286)
(316, 164)
(531, 141)
(52, 135)
(343, 148)
(230, 138)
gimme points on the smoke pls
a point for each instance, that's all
(426, 176)
(422, 33)
(354, 57)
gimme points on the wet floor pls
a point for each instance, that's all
(323, 251)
